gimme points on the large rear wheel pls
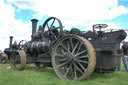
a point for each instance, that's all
(73, 58)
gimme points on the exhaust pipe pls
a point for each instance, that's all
(11, 38)
(34, 25)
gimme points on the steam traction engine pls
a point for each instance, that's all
(74, 54)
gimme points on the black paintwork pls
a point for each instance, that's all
(106, 44)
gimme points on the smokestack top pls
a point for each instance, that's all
(11, 36)
(34, 20)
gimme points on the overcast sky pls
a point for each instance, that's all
(15, 15)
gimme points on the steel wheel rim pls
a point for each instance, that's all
(76, 66)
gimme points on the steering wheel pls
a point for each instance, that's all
(21, 44)
(99, 26)
(53, 29)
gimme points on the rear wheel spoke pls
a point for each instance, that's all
(64, 47)
(80, 53)
(62, 51)
(60, 55)
(68, 47)
(63, 59)
(72, 72)
(67, 71)
(75, 72)
(81, 66)
(79, 48)
(82, 57)
(79, 69)
(82, 61)
(60, 65)
(71, 43)
(75, 47)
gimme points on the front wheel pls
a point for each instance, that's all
(18, 60)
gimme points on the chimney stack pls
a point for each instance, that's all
(34, 25)
(11, 38)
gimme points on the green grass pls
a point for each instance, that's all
(33, 76)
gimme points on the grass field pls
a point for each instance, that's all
(35, 76)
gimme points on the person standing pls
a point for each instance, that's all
(125, 55)
(15, 45)
(119, 67)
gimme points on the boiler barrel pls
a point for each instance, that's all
(37, 46)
